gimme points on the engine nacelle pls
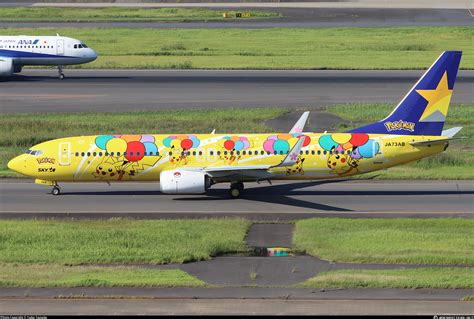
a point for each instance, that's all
(6, 67)
(179, 181)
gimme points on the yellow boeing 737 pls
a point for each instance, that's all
(191, 163)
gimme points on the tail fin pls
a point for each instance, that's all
(424, 109)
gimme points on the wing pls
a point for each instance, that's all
(253, 172)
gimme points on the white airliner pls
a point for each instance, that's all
(18, 51)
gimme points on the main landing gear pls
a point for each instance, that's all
(61, 73)
(56, 190)
(236, 189)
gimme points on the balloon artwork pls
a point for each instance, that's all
(359, 144)
(234, 143)
(133, 146)
(281, 143)
(185, 142)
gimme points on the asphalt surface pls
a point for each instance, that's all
(270, 235)
(291, 18)
(240, 293)
(280, 201)
(233, 307)
(128, 90)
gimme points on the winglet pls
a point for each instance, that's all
(451, 132)
(213, 132)
(292, 156)
(299, 125)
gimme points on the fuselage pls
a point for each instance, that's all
(144, 157)
(44, 50)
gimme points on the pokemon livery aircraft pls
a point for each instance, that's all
(191, 163)
(18, 51)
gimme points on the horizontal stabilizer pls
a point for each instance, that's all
(451, 132)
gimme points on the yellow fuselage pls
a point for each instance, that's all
(143, 157)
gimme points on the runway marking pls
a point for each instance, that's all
(35, 96)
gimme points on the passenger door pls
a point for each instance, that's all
(60, 47)
(377, 151)
(64, 154)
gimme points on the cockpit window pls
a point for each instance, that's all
(34, 153)
(84, 45)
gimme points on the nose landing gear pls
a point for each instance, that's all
(236, 189)
(56, 190)
(61, 73)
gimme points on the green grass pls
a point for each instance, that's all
(436, 278)
(468, 298)
(119, 241)
(18, 132)
(121, 14)
(39, 276)
(274, 48)
(455, 163)
(400, 241)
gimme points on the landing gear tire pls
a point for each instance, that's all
(236, 190)
(60, 71)
(56, 190)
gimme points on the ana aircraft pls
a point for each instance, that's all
(191, 163)
(18, 51)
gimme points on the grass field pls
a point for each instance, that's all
(121, 14)
(38, 276)
(274, 48)
(119, 241)
(401, 241)
(455, 163)
(437, 278)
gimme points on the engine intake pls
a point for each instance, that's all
(181, 181)
(6, 67)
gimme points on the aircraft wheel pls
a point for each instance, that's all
(236, 190)
(62, 76)
(56, 191)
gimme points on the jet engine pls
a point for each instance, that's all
(181, 181)
(6, 67)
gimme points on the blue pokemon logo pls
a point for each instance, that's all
(28, 41)
(400, 125)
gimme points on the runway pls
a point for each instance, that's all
(291, 18)
(280, 201)
(131, 90)
(230, 307)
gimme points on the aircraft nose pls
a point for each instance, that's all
(92, 55)
(18, 164)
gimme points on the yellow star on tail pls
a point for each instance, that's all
(438, 101)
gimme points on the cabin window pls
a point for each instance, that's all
(94, 154)
(118, 153)
(88, 154)
(77, 154)
(171, 153)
